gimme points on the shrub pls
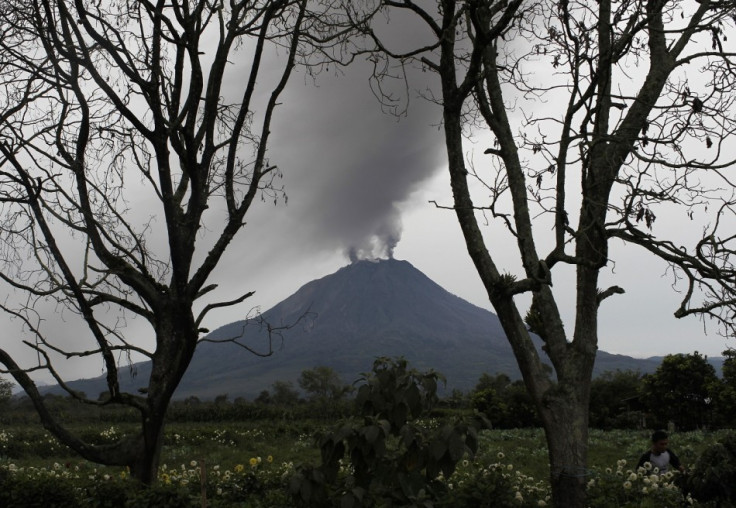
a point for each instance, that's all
(387, 456)
(644, 488)
(19, 491)
(713, 477)
(480, 487)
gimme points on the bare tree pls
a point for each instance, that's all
(623, 110)
(133, 141)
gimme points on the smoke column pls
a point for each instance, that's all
(355, 163)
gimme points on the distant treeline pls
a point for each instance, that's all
(684, 391)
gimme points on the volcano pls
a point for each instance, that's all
(345, 320)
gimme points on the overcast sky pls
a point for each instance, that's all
(360, 181)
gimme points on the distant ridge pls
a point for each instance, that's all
(364, 310)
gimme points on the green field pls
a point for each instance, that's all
(250, 464)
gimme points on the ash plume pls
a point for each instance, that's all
(380, 245)
(354, 164)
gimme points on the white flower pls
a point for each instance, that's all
(193, 463)
(632, 477)
(500, 455)
(541, 502)
(627, 485)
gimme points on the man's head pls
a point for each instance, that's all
(659, 441)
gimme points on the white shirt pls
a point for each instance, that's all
(661, 461)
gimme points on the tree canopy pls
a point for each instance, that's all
(682, 390)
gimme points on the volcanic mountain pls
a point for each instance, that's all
(344, 321)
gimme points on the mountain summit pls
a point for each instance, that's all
(344, 321)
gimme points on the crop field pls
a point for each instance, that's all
(251, 464)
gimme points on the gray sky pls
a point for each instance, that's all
(357, 177)
(360, 181)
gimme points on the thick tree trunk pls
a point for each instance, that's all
(566, 430)
(176, 345)
(144, 468)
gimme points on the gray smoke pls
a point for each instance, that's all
(379, 245)
(349, 166)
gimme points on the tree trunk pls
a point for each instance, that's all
(566, 430)
(144, 468)
(176, 341)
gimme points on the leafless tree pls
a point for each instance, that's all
(599, 116)
(133, 141)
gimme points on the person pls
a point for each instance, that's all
(660, 456)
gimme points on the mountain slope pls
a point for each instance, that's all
(345, 320)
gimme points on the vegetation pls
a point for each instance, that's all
(506, 461)
(684, 389)
(6, 390)
(397, 442)
(386, 456)
(714, 475)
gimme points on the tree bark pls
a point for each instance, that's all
(145, 466)
(566, 431)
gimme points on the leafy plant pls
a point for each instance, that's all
(29, 492)
(394, 458)
(713, 478)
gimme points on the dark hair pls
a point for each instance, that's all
(659, 435)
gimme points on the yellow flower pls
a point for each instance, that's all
(239, 468)
(253, 462)
(166, 478)
(269, 459)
